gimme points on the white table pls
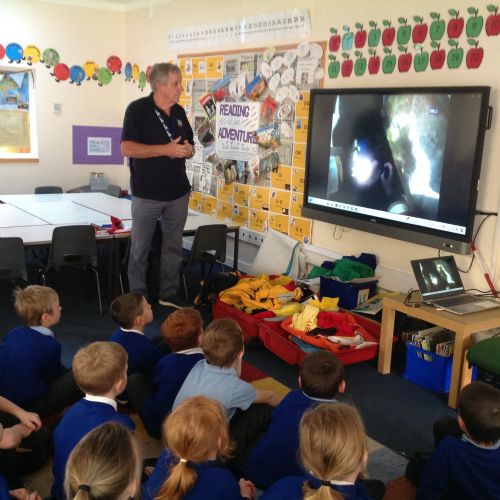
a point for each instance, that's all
(33, 217)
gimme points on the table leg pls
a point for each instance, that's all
(458, 377)
(386, 334)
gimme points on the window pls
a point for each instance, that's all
(18, 138)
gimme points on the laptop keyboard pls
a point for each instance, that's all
(456, 301)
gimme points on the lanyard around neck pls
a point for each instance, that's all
(164, 123)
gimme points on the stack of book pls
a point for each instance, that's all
(436, 339)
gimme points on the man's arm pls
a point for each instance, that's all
(269, 397)
(174, 149)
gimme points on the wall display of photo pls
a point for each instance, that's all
(438, 41)
(249, 111)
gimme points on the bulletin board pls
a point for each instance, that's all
(249, 111)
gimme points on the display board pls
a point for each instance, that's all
(249, 110)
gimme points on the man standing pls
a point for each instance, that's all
(157, 138)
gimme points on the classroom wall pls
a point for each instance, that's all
(140, 36)
(79, 34)
(147, 32)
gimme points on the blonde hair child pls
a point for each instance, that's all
(195, 434)
(332, 448)
(106, 464)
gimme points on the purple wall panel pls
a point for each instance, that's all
(80, 135)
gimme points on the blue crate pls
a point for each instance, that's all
(350, 295)
(431, 371)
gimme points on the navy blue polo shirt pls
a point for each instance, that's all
(161, 178)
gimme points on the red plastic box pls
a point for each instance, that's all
(275, 339)
(248, 323)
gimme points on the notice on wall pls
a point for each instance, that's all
(236, 124)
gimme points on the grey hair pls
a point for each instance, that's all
(160, 72)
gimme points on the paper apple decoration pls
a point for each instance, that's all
(334, 42)
(347, 39)
(404, 60)
(419, 30)
(455, 55)
(455, 25)
(493, 21)
(389, 61)
(359, 64)
(374, 34)
(474, 24)
(421, 60)
(360, 36)
(474, 56)
(437, 28)
(347, 64)
(438, 56)
(389, 33)
(373, 63)
(404, 31)
(333, 67)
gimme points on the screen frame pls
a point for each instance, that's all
(454, 243)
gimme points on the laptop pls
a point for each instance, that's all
(440, 285)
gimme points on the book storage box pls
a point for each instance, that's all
(428, 369)
(350, 293)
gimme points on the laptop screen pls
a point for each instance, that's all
(437, 277)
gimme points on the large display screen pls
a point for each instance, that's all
(402, 162)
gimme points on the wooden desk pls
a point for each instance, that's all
(463, 326)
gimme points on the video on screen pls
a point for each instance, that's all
(386, 152)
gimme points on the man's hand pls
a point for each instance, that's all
(176, 149)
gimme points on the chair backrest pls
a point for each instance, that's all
(48, 189)
(73, 246)
(209, 243)
(12, 260)
(114, 190)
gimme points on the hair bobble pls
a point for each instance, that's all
(183, 460)
(324, 482)
(84, 487)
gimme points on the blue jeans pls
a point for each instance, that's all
(172, 216)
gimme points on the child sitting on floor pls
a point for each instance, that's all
(19, 428)
(106, 463)
(101, 373)
(275, 456)
(218, 377)
(468, 467)
(32, 375)
(132, 312)
(196, 437)
(333, 450)
(182, 332)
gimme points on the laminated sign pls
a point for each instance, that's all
(236, 124)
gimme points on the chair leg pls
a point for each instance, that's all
(185, 287)
(98, 289)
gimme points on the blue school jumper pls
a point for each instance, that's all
(290, 488)
(459, 468)
(143, 355)
(276, 454)
(170, 374)
(78, 421)
(4, 490)
(30, 361)
(214, 482)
